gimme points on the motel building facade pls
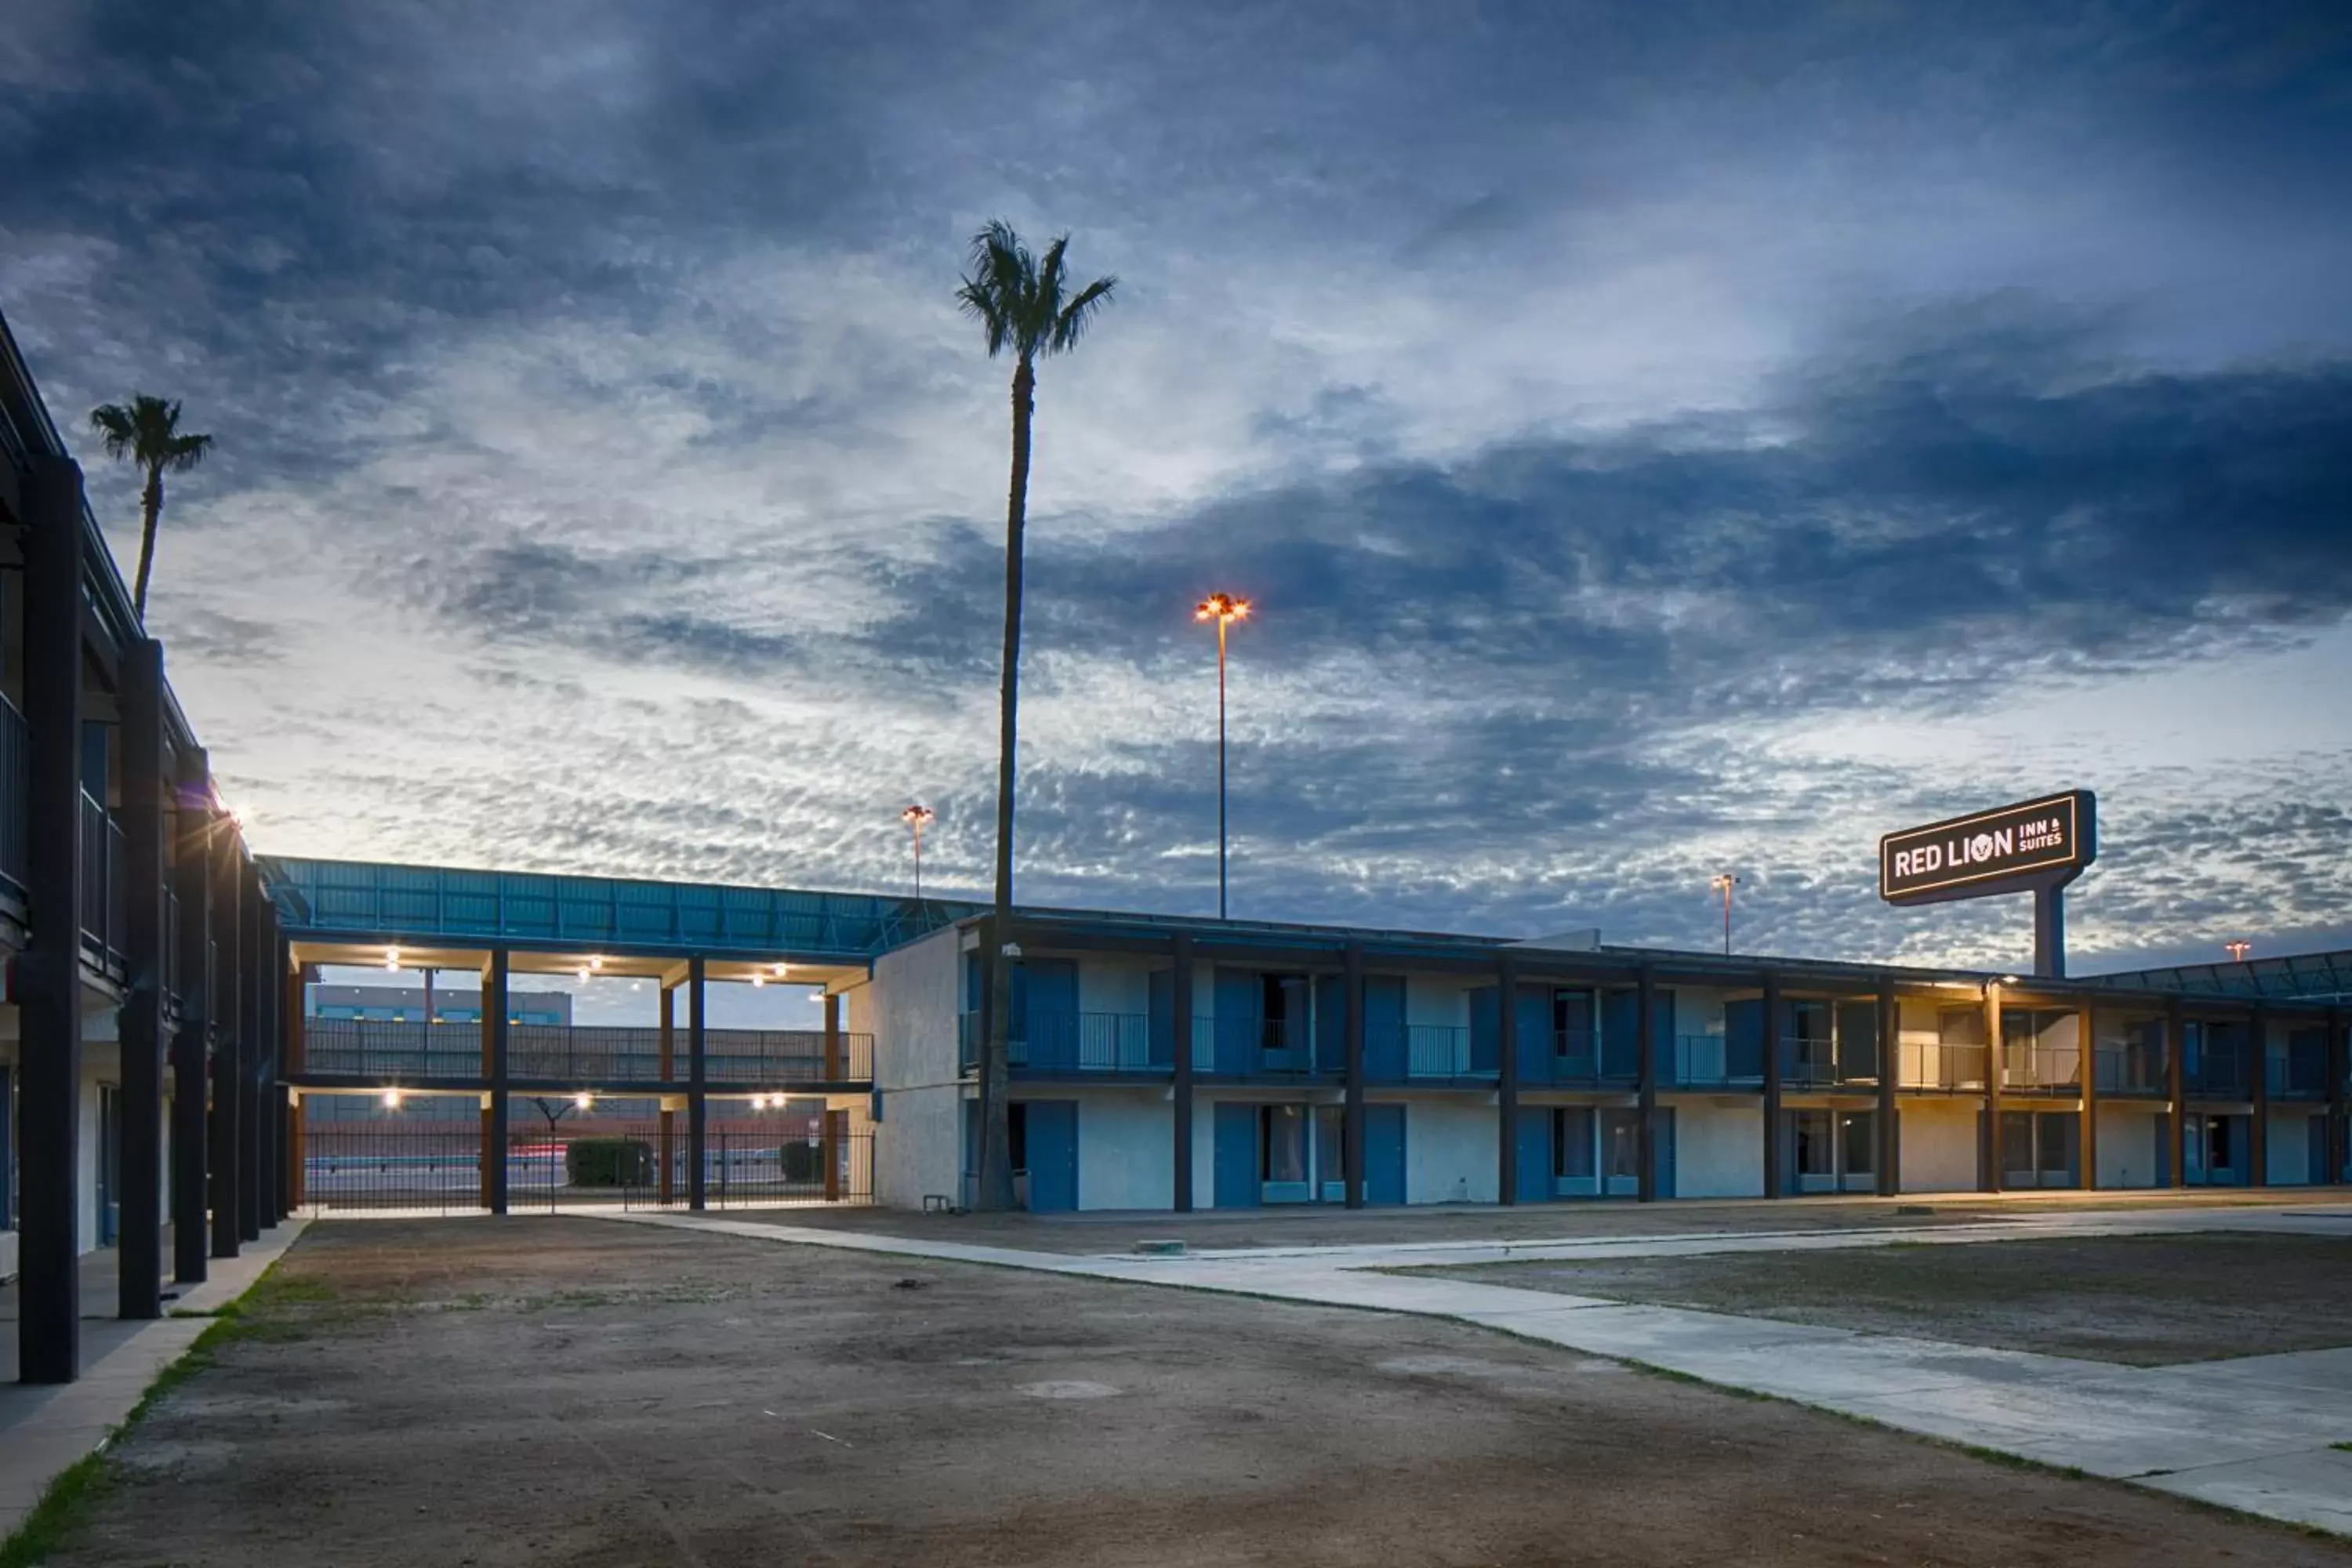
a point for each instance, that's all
(177, 1074)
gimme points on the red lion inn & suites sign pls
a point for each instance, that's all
(2033, 846)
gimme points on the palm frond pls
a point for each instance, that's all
(113, 423)
(1071, 324)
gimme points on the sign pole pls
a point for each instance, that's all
(2050, 933)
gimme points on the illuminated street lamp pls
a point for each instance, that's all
(1723, 883)
(915, 816)
(2238, 950)
(1223, 609)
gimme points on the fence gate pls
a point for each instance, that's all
(421, 1155)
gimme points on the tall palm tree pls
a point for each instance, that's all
(1023, 304)
(147, 432)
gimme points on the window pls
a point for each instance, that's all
(1815, 1156)
(1572, 1023)
(1282, 1147)
(1621, 1143)
(1282, 1007)
(1571, 1142)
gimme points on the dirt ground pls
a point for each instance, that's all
(573, 1390)
(2145, 1300)
(1318, 1226)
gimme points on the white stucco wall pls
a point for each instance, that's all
(1939, 1145)
(1450, 1151)
(1127, 1151)
(2128, 1145)
(1718, 1150)
(910, 1007)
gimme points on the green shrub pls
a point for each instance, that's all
(608, 1162)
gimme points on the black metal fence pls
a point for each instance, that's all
(427, 1158)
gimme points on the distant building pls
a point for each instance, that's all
(406, 1005)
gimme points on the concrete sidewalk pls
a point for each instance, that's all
(46, 1428)
(2252, 1434)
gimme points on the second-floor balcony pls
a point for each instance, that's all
(15, 789)
(1712, 1061)
(1818, 1064)
(2215, 1071)
(1087, 1042)
(2130, 1068)
(582, 1056)
(2300, 1072)
(105, 906)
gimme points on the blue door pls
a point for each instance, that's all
(1620, 1044)
(1384, 1032)
(1236, 1155)
(1330, 1023)
(1662, 1151)
(1743, 1040)
(1384, 1153)
(1050, 1011)
(1484, 1033)
(1239, 1020)
(1531, 1153)
(1052, 1151)
(1533, 1010)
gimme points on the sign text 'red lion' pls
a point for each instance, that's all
(2036, 843)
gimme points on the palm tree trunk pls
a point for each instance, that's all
(151, 507)
(995, 1139)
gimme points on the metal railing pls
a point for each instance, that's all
(2215, 1070)
(1704, 1061)
(101, 878)
(2300, 1074)
(2129, 1067)
(1934, 1065)
(1086, 1042)
(582, 1055)
(1818, 1064)
(1440, 1050)
(16, 792)
(2035, 1068)
(170, 942)
(1576, 1057)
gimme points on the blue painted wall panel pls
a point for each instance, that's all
(1485, 1038)
(1384, 1031)
(1239, 1016)
(1235, 1156)
(1531, 1153)
(1534, 1009)
(1743, 1037)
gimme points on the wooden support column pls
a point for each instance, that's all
(46, 981)
(831, 1154)
(1180, 1047)
(668, 1075)
(1645, 1131)
(697, 1104)
(2258, 1143)
(1506, 1077)
(2176, 1089)
(2087, 1147)
(139, 1264)
(229, 1002)
(295, 1171)
(497, 1005)
(1775, 1152)
(192, 880)
(1351, 1118)
(833, 1069)
(1890, 1084)
(1989, 1148)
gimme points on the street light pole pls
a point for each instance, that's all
(915, 816)
(1223, 609)
(1723, 884)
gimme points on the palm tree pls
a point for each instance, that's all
(147, 432)
(1022, 303)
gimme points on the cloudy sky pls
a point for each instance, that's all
(1659, 440)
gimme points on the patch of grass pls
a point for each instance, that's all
(2345, 1447)
(66, 1500)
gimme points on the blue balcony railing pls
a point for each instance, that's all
(1086, 1042)
(2300, 1074)
(1704, 1061)
(2130, 1068)
(2216, 1071)
(1818, 1064)
(1578, 1058)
